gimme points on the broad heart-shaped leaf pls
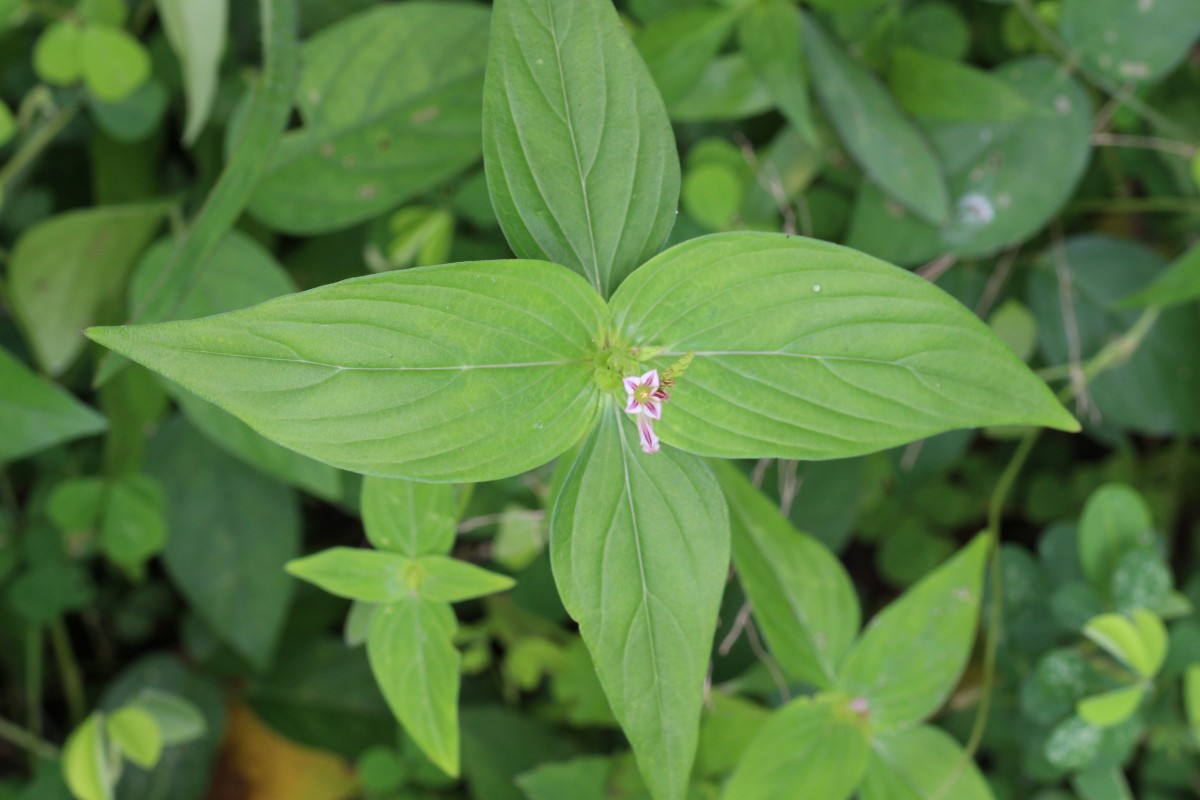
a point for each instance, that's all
(65, 271)
(890, 148)
(580, 155)
(910, 656)
(391, 106)
(1130, 40)
(814, 748)
(414, 519)
(36, 414)
(412, 653)
(640, 549)
(448, 580)
(467, 372)
(354, 573)
(808, 350)
(803, 599)
(1115, 520)
(922, 763)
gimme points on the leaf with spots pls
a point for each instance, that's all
(391, 102)
(911, 655)
(640, 550)
(1131, 40)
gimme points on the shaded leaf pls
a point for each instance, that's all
(35, 414)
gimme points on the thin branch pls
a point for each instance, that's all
(1181, 149)
(474, 523)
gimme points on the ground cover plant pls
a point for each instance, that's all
(698, 399)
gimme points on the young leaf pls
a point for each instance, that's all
(911, 655)
(179, 721)
(85, 762)
(802, 597)
(640, 548)
(368, 576)
(136, 732)
(886, 143)
(65, 270)
(448, 580)
(1110, 708)
(943, 89)
(466, 372)
(580, 155)
(808, 350)
(414, 519)
(817, 748)
(36, 414)
(922, 763)
(771, 35)
(196, 30)
(390, 100)
(1140, 643)
(411, 647)
(1115, 520)
(114, 63)
(134, 528)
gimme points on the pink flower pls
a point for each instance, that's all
(644, 399)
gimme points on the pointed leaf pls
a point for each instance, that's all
(816, 748)
(136, 732)
(196, 30)
(640, 548)
(803, 599)
(85, 761)
(1154, 636)
(1179, 283)
(448, 580)
(1122, 639)
(411, 647)
(937, 88)
(356, 574)
(679, 46)
(808, 350)
(36, 414)
(580, 156)
(413, 519)
(923, 763)
(465, 372)
(771, 35)
(894, 153)
(1110, 708)
(911, 655)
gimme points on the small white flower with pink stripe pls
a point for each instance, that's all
(644, 399)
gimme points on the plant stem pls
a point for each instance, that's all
(15, 734)
(33, 146)
(69, 673)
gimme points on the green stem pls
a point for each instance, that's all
(68, 668)
(32, 148)
(33, 679)
(15, 734)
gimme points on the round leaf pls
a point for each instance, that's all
(114, 63)
(136, 732)
(56, 56)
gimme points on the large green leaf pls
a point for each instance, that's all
(911, 655)
(640, 548)
(890, 148)
(814, 747)
(580, 156)
(414, 519)
(809, 350)
(923, 763)
(36, 414)
(771, 35)
(1131, 40)
(411, 647)
(196, 30)
(391, 104)
(69, 269)
(802, 597)
(231, 532)
(458, 373)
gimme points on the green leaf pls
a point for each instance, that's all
(937, 88)
(808, 350)
(196, 30)
(356, 574)
(679, 46)
(579, 779)
(875, 131)
(104, 12)
(232, 531)
(56, 56)
(1142, 580)
(820, 745)
(1177, 284)
(448, 580)
(179, 721)
(114, 63)
(8, 124)
(135, 526)
(580, 155)
(1140, 642)
(728, 90)
(1073, 744)
(911, 655)
(640, 549)
(1102, 783)
(772, 37)
(390, 101)
(134, 118)
(85, 762)
(803, 599)
(1115, 521)
(1131, 41)
(922, 763)
(36, 414)
(136, 732)
(416, 665)
(65, 271)
(729, 726)
(414, 519)
(1110, 708)
(467, 372)
(1191, 698)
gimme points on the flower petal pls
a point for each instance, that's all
(650, 379)
(631, 385)
(633, 406)
(648, 437)
(652, 409)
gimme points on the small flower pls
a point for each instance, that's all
(644, 399)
